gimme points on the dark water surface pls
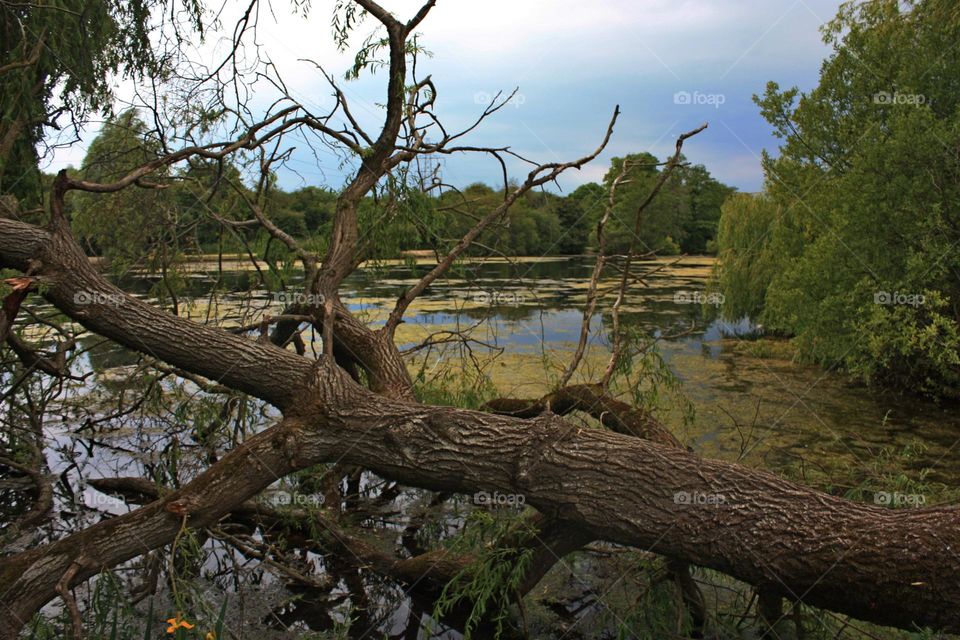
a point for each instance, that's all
(751, 402)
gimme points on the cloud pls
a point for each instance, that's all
(572, 62)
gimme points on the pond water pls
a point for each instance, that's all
(522, 317)
(751, 400)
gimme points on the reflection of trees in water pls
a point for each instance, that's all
(104, 355)
(17, 494)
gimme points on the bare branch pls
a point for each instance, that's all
(540, 175)
(665, 174)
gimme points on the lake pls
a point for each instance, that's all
(761, 407)
(738, 398)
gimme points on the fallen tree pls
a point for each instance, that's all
(770, 532)
(354, 405)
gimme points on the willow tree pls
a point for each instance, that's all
(866, 182)
(354, 404)
(58, 61)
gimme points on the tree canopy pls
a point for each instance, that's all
(60, 60)
(855, 248)
(684, 217)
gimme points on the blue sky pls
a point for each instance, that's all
(571, 62)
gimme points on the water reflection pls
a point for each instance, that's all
(757, 407)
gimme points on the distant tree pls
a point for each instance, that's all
(662, 224)
(591, 197)
(706, 196)
(316, 204)
(126, 225)
(530, 227)
(574, 225)
(207, 190)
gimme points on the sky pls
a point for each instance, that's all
(669, 65)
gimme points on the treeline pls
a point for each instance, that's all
(854, 248)
(683, 219)
(205, 207)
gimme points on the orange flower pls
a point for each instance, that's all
(176, 623)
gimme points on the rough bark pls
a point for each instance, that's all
(591, 399)
(780, 536)
(260, 369)
(622, 418)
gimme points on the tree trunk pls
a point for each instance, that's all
(894, 567)
(767, 531)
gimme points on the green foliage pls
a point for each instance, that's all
(642, 372)
(669, 247)
(403, 218)
(706, 196)
(128, 224)
(530, 227)
(111, 616)
(453, 388)
(71, 51)
(591, 197)
(314, 205)
(911, 346)
(572, 219)
(865, 192)
(745, 264)
(886, 483)
(136, 224)
(682, 219)
(159, 226)
(664, 217)
(545, 224)
(489, 584)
